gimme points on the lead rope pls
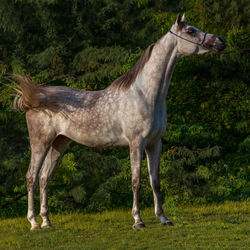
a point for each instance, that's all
(235, 51)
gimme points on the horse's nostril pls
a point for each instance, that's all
(222, 40)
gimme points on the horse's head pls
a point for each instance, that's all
(191, 40)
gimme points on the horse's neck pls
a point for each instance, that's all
(157, 72)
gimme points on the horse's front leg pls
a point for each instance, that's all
(136, 151)
(153, 153)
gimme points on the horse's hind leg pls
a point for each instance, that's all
(153, 153)
(52, 159)
(39, 148)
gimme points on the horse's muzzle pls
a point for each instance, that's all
(221, 44)
(215, 43)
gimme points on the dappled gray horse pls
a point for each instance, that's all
(130, 112)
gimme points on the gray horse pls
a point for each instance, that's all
(130, 112)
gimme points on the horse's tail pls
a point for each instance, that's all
(27, 93)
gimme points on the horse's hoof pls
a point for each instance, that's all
(138, 226)
(167, 223)
(35, 227)
(47, 225)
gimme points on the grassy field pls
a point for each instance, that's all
(224, 226)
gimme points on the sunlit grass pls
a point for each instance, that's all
(224, 226)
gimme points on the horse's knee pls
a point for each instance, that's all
(30, 181)
(136, 184)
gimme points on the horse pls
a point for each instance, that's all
(129, 112)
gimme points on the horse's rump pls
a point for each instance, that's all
(31, 95)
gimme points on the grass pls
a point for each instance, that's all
(223, 226)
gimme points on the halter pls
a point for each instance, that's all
(200, 44)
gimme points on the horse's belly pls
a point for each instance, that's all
(97, 136)
(101, 141)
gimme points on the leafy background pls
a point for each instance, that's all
(87, 44)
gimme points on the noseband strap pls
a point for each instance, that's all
(200, 44)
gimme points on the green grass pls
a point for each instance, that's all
(224, 226)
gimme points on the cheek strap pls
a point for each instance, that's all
(200, 44)
(204, 38)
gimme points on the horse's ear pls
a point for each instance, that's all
(178, 20)
(183, 17)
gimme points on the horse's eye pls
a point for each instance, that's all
(190, 30)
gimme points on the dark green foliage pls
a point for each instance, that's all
(88, 44)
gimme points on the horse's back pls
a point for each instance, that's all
(87, 117)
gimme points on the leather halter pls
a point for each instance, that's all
(200, 44)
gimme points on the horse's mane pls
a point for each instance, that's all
(126, 80)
